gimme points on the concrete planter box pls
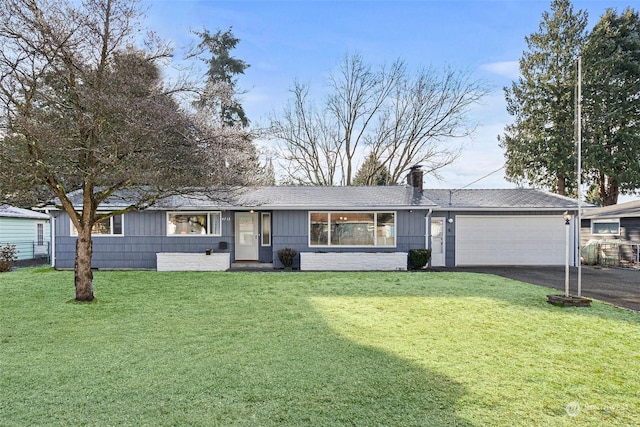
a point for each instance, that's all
(181, 261)
(353, 261)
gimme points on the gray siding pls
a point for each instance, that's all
(290, 229)
(629, 230)
(144, 236)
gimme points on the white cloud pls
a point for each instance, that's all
(509, 69)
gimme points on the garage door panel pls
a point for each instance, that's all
(510, 240)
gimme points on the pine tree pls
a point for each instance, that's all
(539, 145)
(611, 106)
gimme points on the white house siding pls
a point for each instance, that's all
(509, 240)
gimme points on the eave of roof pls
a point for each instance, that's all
(7, 211)
(621, 210)
(366, 198)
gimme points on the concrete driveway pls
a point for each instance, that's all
(617, 286)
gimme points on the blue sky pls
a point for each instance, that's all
(284, 41)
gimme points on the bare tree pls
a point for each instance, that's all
(311, 153)
(83, 109)
(387, 114)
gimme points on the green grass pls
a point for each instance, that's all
(262, 349)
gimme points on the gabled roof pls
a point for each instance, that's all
(500, 199)
(622, 210)
(8, 211)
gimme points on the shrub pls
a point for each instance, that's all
(287, 256)
(7, 257)
(418, 258)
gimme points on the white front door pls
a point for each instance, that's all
(246, 236)
(437, 242)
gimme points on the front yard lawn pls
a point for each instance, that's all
(323, 349)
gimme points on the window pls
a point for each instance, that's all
(39, 234)
(111, 226)
(352, 229)
(266, 229)
(607, 226)
(194, 223)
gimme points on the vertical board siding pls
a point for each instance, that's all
(144, 236)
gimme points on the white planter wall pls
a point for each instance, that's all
(180, 261)
(353, 261)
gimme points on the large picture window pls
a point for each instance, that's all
(352, 229)
(112, 226)
(194, 223)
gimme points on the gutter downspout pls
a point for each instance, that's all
(52, 238)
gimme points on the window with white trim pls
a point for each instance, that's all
(605, 227)
(354, 229)
(39, 233)
(194, 223)
(111, 226)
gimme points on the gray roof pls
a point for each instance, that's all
(306, 197)
(622, 210)
(500, 199)
(8, 211)
(356, 197)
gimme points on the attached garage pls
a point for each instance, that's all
(509, 240)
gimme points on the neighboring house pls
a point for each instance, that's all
(462, 227)
(611, 234)
(27, 230)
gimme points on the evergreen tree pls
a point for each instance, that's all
(222, 76)
(222, 116)
(611, 105)
(372, 172)
(539, 145)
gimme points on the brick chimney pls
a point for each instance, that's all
(414, 177)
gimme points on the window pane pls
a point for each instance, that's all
(386, 229)
(216, 223)
(319, 229)
(40, 234)
(605, 228)
(352, 228)
(117, 224)
(266, 229)
(103, 226)
(187, 224)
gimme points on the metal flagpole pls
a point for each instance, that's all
(579, 175)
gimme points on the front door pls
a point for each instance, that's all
(437, 242)
(246, 236)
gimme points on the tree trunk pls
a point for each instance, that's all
(83, 273)
(609, 191)
(561, 187)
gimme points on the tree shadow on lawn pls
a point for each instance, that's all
(234, 355)
(305, 373)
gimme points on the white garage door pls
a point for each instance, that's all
(510, 240)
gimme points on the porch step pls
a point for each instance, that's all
(251, 266)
